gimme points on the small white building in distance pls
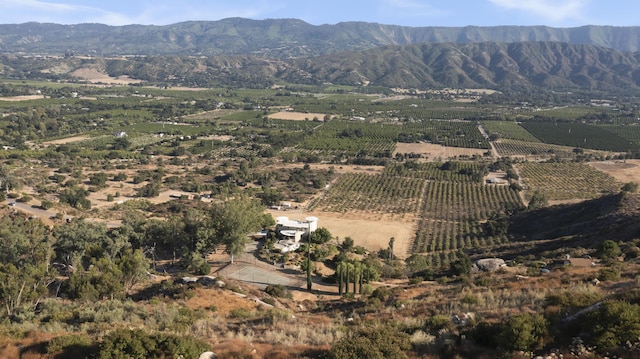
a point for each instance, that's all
(293, 230)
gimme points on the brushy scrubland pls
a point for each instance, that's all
(125, 207)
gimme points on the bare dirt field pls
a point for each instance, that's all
(223, 138)
(372, 234)
(371, 231)
(296, 116)
(432, 151)
(180, 88)
(128, 192)
(63, 141)
(21, 98)
(338, 168)
(623, 171)
(95, 76)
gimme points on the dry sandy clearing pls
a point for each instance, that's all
(431, 151)
(296, 116)
(623, 171)
(63, 141)
(95, 76)
(372, 234)
(21, 98)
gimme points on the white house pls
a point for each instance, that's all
(293, 230)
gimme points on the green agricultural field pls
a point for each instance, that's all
(372, 193)
(629, 132)
(509, 147)
(566, 180)
(508, 129)
(578, 135)
(566, 112)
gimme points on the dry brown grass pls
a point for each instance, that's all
(432, 152)
(21, 98)
(623, 171)
(296, 116)
(224, 301)
(95, 76)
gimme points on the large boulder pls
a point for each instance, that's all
(488, 265)
(186, 280)
(207, 280)
(208, 355)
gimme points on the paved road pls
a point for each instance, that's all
(248, 268)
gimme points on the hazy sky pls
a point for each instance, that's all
(557, 13)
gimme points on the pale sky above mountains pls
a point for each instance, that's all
(556, 13)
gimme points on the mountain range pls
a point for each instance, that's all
(552, 65)
(258, 53)
(281, 38)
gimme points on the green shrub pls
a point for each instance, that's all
(610, 274)
(44, 204)
(469, 299)
(523, 332)
(370, 342)
(485, 334)
(278, 291)
(373, 303)
(65, 342)
(367, 289)
(609, 251)
(125, 344)
(613, 325)
(382, 293)
(25, 198)
(437, 323)
(576, 299)
(274, 315)
(240, 313)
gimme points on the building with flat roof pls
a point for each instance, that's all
(293, 230)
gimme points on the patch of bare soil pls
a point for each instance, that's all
(367, 231)
(223, 138)
(432, 152)
(95, 76)
(296, 116)
(183, 88)
(340, 169)
(21, 98)
(63, 141)
(128, 192)
(623, 171)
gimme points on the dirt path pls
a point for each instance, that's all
(521, 184)
(494, 151)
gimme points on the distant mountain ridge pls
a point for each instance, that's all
(477, 65)
(550, 65)
(281, 38)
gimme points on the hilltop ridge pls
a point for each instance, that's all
(281, 38)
